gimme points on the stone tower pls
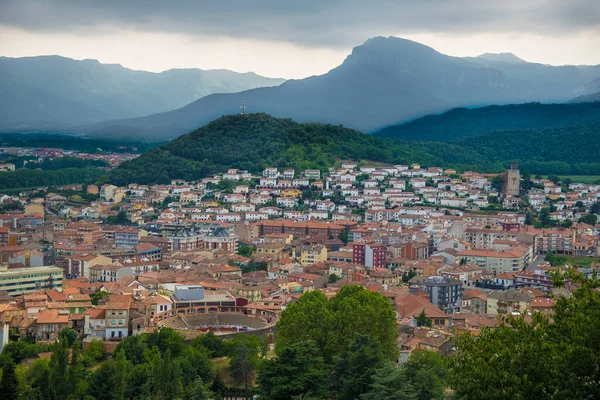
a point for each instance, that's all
(512, 180)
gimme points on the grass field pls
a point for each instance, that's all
(557, 260)
(221, 365)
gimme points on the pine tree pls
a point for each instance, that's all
(58, 380)
(9, 385)
(218, 386)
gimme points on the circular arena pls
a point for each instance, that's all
(219, 323)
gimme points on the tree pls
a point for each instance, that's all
(354, 370)
(589, 219)
(139, 382)
(595, 208)
(102, 382)
(133, 347)
(345, 237)
(297, 370)
(199, 391)
(308, 318)
(166, 377)
(94, 352)
(120, 218)
(423, 320)
(333, 278)
(408, 276)
(529, 219)
(167, 339)
(555, 179)
(567, 224)
(211, 342)
(59, 387)
(498, 183)
(23, 349)
(246, 251)
(36, 379)
(98, 296)
(195, 363)
(244, 360)
(535, 358)
(358, 310)
(77, 372)
(255, 266)
(427, 373)
(70, 335)
(390, 383)
(9, 385)
(218, 386)
(332, 324)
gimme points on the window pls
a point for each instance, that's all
(112, 322)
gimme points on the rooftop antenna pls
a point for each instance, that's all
(243, 107)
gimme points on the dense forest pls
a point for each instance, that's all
(564, 150)
(65, 162)
(255, 141)
(26, 178)
(462, 122)
(69, 142)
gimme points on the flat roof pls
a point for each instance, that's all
(30, 270)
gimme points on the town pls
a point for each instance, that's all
(450, 251)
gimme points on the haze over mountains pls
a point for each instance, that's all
(56, 92)
(382, 82)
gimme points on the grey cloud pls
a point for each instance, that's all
(306, 22)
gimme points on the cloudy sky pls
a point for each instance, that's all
(293, 38)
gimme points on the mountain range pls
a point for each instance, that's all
(382, 82)
(50, 92)
(593, 93)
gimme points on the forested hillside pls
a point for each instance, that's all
(255, 141)
(565, 150)
(462, 122)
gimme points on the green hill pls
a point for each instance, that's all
(462, 122)
(255, 141)
(563, 150)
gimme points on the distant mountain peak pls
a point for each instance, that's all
(502, 57)
(393, 44)
(392, 51)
